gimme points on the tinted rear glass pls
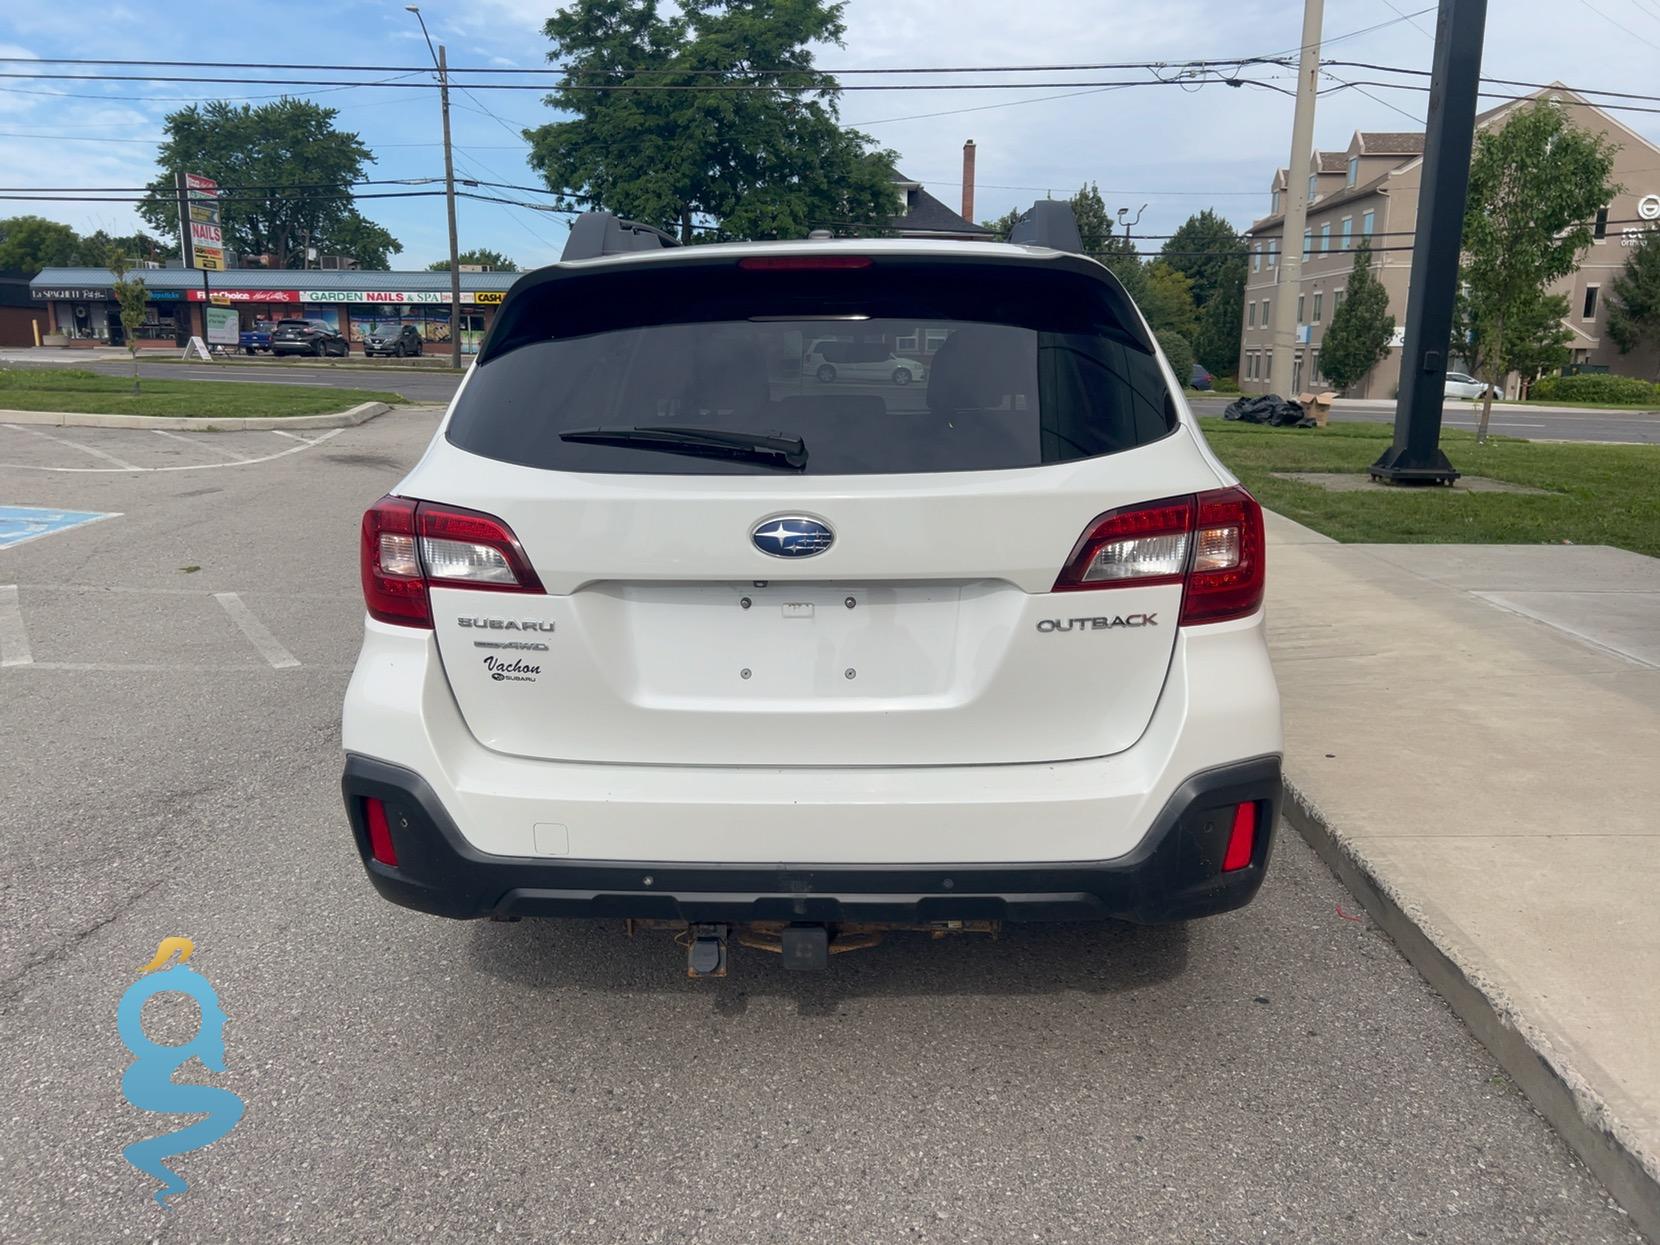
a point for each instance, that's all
(895, 368)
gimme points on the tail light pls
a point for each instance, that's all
(1212, 543)
(409, 547)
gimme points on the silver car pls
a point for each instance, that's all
(1462, 385)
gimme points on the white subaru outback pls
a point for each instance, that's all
(664, 627)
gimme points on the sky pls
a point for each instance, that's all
(1174, 148)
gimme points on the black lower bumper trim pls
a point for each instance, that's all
(1173, 874)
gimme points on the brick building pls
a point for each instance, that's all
(1370, 189)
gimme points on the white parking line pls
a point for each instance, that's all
(201, 445)
(258, 635)
(122, 463)
(292, 436)
(14, 641)
(297, 449)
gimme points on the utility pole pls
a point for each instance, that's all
(1289, 276)
(1415, 457)
(449, 206)
(440, 60)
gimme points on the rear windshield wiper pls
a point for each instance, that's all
(754, 447)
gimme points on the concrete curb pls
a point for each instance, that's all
(1555, 1088)
(262, 423)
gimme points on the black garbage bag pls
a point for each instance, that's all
(1271, 409)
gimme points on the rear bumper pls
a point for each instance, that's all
(1174, 873)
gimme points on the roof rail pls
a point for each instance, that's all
(1050, 223)
(594, 234)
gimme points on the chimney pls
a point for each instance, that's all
(968, 181)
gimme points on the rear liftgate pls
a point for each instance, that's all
(803, 947)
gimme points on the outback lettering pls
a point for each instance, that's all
(1098, 624)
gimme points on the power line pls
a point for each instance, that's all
(1621, 25)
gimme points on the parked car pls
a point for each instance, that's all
(647, 638)
(1200, 378)
(311, 337)
(257, 337)
(396, 342)
(1461, 385)
(834, 359)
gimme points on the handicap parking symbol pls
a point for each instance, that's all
(24, 523)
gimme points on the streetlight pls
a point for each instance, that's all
(449, 187)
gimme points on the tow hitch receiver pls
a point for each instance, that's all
(706, 951)
(806, 948)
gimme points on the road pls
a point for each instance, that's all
(1538, 423)
(1277, 1073)
(1529, 422)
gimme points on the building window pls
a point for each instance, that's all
(1250, 315)
(1256, 258)
(1337, 300)
(1265, 313)
(934, 339)
(1300, 301)
(1308, 242)
(1318, 299)
(1601, 230)
(1325, 238)
(1313, 186)
(1590, 312)
(1250, 367)
(1348, 232)
(906, 344)
(1273, 202)
(1268, 365)
(1273, 252)
(1366, 219)
(1354, 169)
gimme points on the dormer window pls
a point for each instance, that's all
(1354, 169)
(1313, 186)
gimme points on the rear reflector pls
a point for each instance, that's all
(409, 547)
(1242, 839)
(1211, 542)
(380, 834)
(802, 263)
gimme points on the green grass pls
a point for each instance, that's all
(101, 394)
(1602, 494)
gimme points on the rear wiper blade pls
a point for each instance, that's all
(710, 442)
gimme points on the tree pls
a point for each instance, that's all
(99, 248)
(1004, 224)
(1217, 342)
(285, 173)
(1167, 301)
(1103, 243)
(1358, 336)
(1180, 353)
(757, 164)
(1535, 185)
(1634, 298)
(1209, 252)
(356, 237)
(495, 261)
(130, 296)
(30, 243)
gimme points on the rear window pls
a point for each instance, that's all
(898, 367)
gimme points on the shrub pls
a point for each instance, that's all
(1596, 387)
(1224, 384)
(1180, 353)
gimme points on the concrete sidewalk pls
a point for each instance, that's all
(1473, 744)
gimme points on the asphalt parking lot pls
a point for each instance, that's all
(177, 624)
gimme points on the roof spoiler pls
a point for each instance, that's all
(1050, 223)
(595, 234)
